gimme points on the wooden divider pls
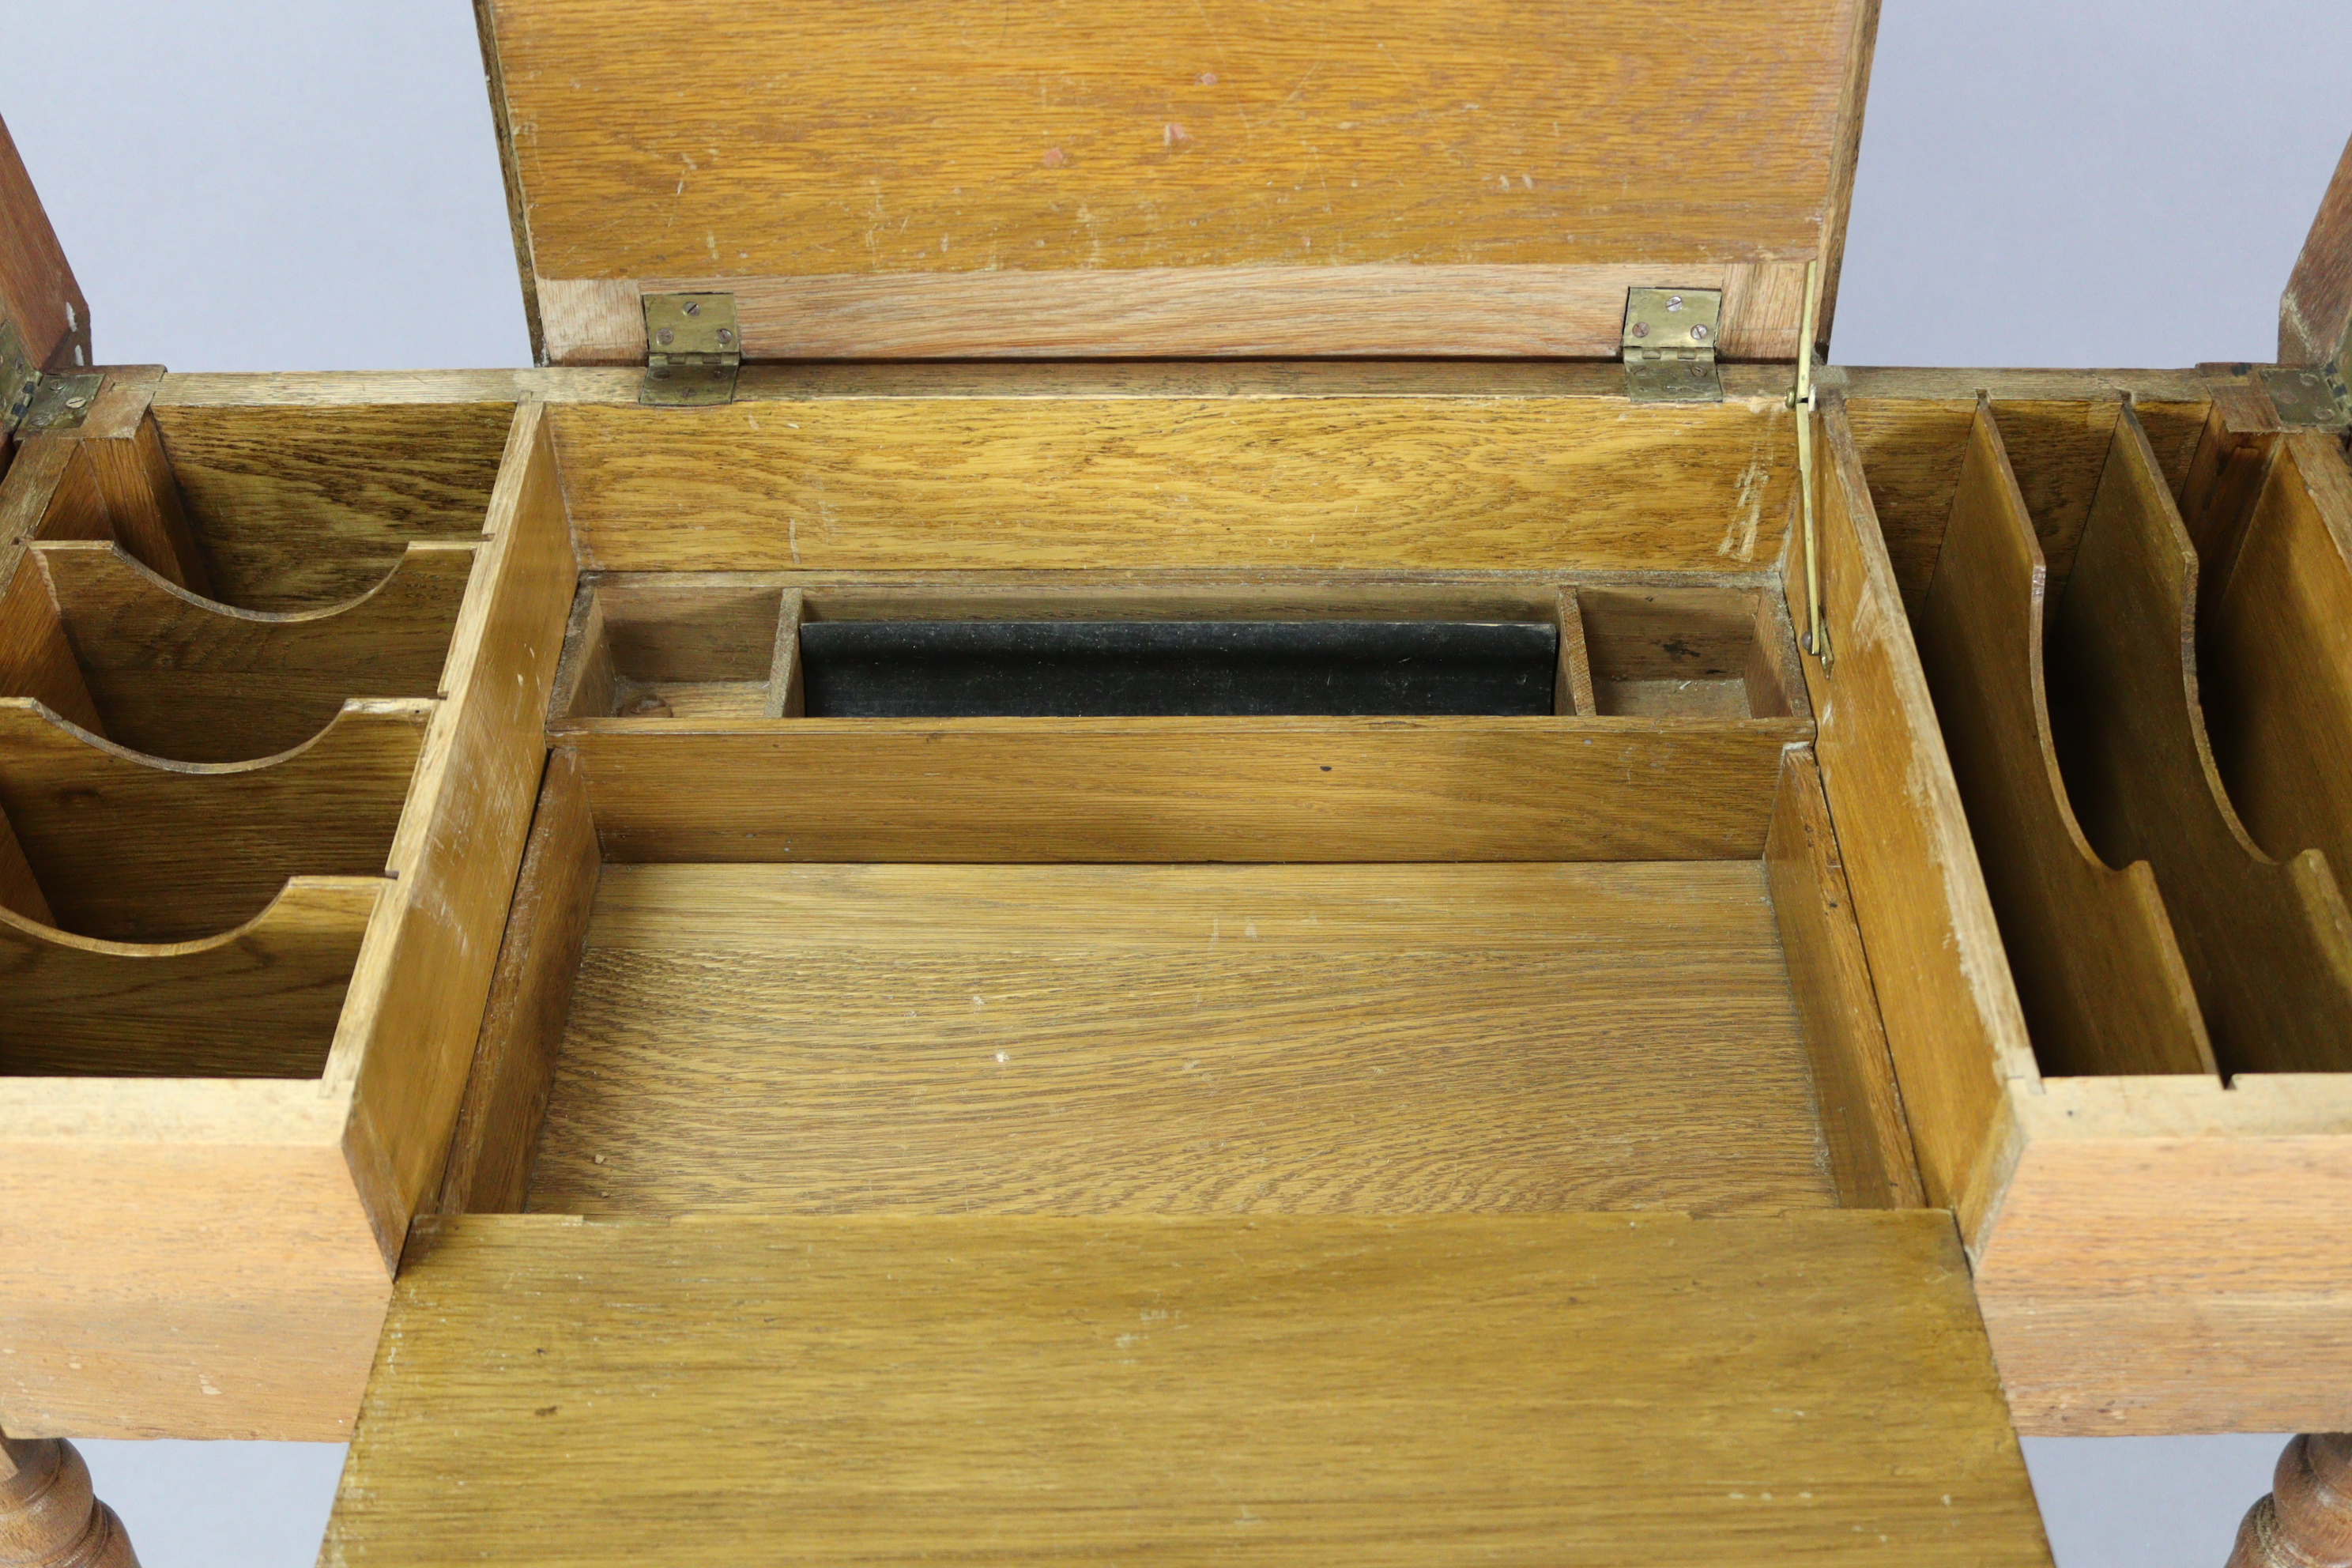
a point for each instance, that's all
(2268, 945)
(131, 849)
(259, 1001)
(1183, 789)
(181, 677)
(2093, 954)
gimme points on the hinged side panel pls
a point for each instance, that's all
(1040, 178)
(44, 323)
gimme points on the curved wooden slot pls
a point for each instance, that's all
(2092, 952)
(2268, 943)
(132, 850)
(260, 1001)
(175, 675)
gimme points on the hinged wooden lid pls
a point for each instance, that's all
(1068, 177)
(44, 323)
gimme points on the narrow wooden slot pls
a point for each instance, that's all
(36, 657)
(2268, 945)
(181, 677)
(2091, 949)
(131, 849)
(2275, 654)
(1572, 688)
(1320, 789)
(1368, 1039)
(120, 490)
(259, 1001)
(1674, 652)
(20, 890)
(1854, 1088)
(787, 685)
(531, 996)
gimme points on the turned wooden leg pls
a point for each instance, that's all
(2306, 1521)
(49, 1517)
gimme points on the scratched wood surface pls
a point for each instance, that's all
(1435, 482)
(299, 507)
(37, 292)
(1180, 1039)
(963, 156)
(1613, 1390)
(188, 679)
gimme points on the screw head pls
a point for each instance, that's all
(665, 337)
(726, 335)
(1674, 302)
(1698, 333)
(1641, 329)
(694, 307)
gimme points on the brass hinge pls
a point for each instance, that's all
(693, 350)
(2307, 399)
(31, 402)
(1669, 345)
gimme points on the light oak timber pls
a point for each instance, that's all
(2275, 652)
(110, 500)
(407, 1040)
(179, 676)
(1402, 483)
(531, 995)
(2305, 1521)
(1181, 788)
(259, 1001)
(2170, 1256)
(2268, 945)
(1199, 160)
(36, 657)
(787, 694)
(2089, 945)
(302, 506)
(1091, 1039)
(130, 848)
(1950, 1009)
(1860, 1104)
(49, 1518)
(2316, 310)
(1911, 427)
(1573, 683)
(1290, 1389)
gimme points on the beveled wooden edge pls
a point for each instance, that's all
(38, 290)
(2316, 309)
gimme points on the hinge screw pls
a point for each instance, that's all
(1674, 302)
(694, 307)
(666, 336)
(726, 335)
(1698, 333)
(1641, 329)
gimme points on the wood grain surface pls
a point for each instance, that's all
(131, 849)
(1609, 1390)
(2268, 943)
(2274, 657)
(1911, 427)
(37, 292)
(185, 678)
(408, 1035)
(2170, 1257)
(1399, 482)
(260, 1001)
(1950, 1009)
(2089, 945)
(938, 1039)
(2316, 310)
(36, 657)
(1854, 1091)
(300, 506)
(1183, 789)
(964, 155)
(531, 995)
(120, 489)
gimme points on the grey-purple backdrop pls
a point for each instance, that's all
(284, 185)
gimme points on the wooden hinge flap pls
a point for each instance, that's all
(693, 350)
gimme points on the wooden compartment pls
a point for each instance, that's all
(260, 848)
(2149, 1214)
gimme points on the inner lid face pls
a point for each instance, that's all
(1057, 177)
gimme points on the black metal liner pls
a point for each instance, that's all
(939, 670)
